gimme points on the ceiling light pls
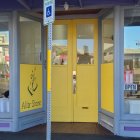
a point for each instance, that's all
(66, 6)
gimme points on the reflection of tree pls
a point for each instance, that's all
(85, 57)
(60, 50)
(59, 55)
(85, 48)
(108, 54)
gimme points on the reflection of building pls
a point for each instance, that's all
(4, 40)
(85, 48)
(85, 57)
(132, 58)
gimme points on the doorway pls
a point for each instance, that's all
(74, 71)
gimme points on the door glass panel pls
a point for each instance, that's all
(132, 62)
(85, 44)
(4, 67)
(59, 46)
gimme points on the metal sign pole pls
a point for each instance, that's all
(49, 17)
(49, 81)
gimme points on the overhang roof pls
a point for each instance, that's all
(38, 4)
(76, 7)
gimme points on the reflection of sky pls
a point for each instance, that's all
(4, 33)
(131, 37)
(85, 42)
(80, 44)
(60, 42)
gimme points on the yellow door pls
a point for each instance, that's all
(74, 71)
(61, 69)
(85, 65)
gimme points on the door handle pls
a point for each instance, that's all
(74, 82)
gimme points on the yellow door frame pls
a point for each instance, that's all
(72, 57)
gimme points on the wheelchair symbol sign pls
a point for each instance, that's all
(48, 11)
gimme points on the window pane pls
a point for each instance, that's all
(60, 43)
(107, 39)
(4, 67)
(132, 62)
(30, 41)
(85, 44)
(4, 57)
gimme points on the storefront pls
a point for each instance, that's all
(97, 60)
(121, 47)
(129, 72)
(118, 63)
(21, 82)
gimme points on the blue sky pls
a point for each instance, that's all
(131, 37)
(86, 42)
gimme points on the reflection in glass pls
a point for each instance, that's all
(85, 44)
(4, 67)
(59, 49)
(107, 38)
(4, 59)
(131, 63)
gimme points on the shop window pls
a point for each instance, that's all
(30, 41)
(132, 62)
(60, 43)
(85, 44)
(108, 39)
(4, 67)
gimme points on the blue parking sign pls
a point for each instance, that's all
(49, 11)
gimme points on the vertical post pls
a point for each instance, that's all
(14, 68)
(49, 17)
(118, 67)
(49, 50)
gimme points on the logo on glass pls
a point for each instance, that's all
(32, 87)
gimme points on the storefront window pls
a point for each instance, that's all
(4, 67)
(107, 65)
(85, 44)
(108, 39)
(60, 42)
(30, 41)
(132, 62)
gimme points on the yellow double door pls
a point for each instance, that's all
(74, 71)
